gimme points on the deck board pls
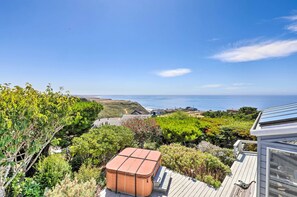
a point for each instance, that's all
(244, 168)
(184, 188)
(228, 179)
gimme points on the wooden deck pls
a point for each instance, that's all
(245, 169)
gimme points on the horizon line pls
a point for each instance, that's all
(184, 94)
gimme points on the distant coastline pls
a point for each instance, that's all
(203, 102)
(118, 108)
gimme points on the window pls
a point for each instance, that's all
(291, 142)
(282, 168)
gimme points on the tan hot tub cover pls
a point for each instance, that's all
(132, 171)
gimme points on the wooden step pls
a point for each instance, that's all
(159, 175)
(164, 185)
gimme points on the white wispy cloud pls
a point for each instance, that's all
(292, 27)
(291, 18)
(174, 72)
(258, 51)
(212, 86)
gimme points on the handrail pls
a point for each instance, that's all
(239, 145)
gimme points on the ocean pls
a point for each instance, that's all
(205, 102)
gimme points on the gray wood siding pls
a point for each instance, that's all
(263, 144)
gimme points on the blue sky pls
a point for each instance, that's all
(151, 46)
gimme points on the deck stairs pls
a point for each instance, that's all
(162, 180)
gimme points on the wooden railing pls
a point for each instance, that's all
(239, 145)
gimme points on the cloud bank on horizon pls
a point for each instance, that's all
(174, 72)
(263, 49)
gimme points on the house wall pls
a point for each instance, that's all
(263, 144)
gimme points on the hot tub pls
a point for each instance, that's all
(132, 171)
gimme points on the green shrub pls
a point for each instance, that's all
(73, 188)
(85, 112)
(101, 144)
(26, 187)
(221, 130)
(87, 172)
(179, 127)
(56, 142)
(244, 113)
(51, 170)
(225, 131)
(194, 163)
(151, 145)
(15, 188)
(224, 154)
(31, 188)
(211, 181)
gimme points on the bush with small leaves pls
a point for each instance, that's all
(101, 144)
(180, 127)
(224, 154)
(194, 163)
(73, 188)
(151, 145)
(51, 170)
(25, 187)
(85, 112)
(31, 188)
(211, 181)
(87, 172)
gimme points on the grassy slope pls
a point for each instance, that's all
(117, 108)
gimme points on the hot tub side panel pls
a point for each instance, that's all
(144, 181)
(126, 178)
(144, 186)
(111, 171)
(111, 180)
(126, 183)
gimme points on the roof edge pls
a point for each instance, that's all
(274, 131)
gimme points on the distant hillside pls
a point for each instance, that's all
(117, 108)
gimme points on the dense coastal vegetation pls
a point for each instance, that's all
(194, 163)
(33, 122)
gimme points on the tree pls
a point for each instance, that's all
(85, 113)
(101, 144)
(144, 129)
(248, 113)
(28, 121)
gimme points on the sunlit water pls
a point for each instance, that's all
(206, 102)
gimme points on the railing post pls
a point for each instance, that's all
(236, 148)
(239, 144)
(240, 147)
